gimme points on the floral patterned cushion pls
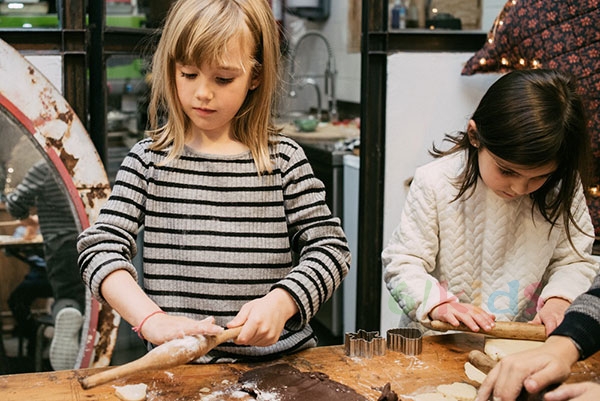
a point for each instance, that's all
(561, 34)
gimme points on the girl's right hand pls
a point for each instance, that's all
(455, 313)
(162, 327)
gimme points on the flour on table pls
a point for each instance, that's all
(498, 348)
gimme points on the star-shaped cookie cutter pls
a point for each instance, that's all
(364, 344)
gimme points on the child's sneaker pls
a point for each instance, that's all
(65, 342)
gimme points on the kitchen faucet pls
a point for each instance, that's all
(330, 75)
(310, 82)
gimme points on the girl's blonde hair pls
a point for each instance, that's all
(197, 32)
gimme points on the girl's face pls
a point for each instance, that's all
(508, 180)
(211, 95)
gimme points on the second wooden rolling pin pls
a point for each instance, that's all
(512, 330)
(172, 353)
(482, 361)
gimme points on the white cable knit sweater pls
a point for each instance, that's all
(485, 250)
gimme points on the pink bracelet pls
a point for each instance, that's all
(138, 329)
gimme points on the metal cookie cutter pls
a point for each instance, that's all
(364, 344)
(407, 340)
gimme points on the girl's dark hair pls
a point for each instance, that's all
(532, 118)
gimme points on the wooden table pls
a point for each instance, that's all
(441, 362)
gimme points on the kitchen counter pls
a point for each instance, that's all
(327, 144)
(441, 362)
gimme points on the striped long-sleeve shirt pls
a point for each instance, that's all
(582, 321)
(39, 189)
(218, 235)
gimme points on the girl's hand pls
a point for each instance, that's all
(162, 327)
(586, 391)
(264, 318)
(456, 312)
(551, 314)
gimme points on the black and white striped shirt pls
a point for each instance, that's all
(217, 235)
(40, 190)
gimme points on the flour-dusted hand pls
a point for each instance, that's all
(163, 327)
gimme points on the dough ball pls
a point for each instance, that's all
(498, 348)
(459, 391)
(131, 392)
(433, 397)
(473, 373)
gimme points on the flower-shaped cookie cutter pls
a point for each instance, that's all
(407, 340)
(364, 344)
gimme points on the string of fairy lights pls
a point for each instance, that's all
(498, 22)
(593, 190)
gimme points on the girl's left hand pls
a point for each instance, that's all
(552, 313)
(264, 318)
(586, 391)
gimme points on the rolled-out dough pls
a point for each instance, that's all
(131, 392)
(498, 348)
(458, 391)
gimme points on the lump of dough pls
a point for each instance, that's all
(433, 397)
(498, 348)
(458, 391)
(473, 373)
(131, 392)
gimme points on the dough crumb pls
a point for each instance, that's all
(458, 391)
(131, 392)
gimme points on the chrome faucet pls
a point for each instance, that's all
(330, 76)
(310, 82)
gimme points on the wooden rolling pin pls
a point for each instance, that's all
(172, 353)
(512, 330)
(481, 361)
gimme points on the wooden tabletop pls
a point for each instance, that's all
(441, 362)
(9, 240)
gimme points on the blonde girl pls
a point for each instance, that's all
(236, 228)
